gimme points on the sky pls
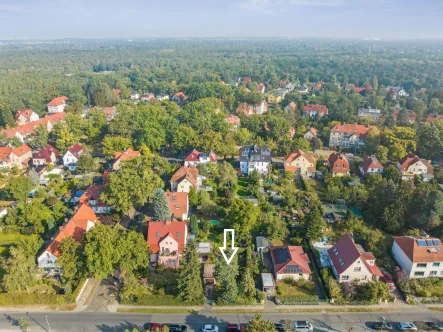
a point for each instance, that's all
(385, 19)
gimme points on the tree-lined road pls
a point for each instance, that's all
(119, 322)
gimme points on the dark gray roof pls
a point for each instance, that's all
(255, 153)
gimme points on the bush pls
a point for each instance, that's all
(155, 299)
(35, 298)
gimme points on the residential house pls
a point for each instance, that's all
(117, 92)
(371, 165)
(262, 244)
(412, 116)
(3, 212)
(81, 222)
(91, 198)
(303, 89)
(372, 113)
(396, 91)
(318, 86)
(290, 262)
(15, 157)
(47, 155)
(72, 156)
(250, 109)
(185, 178)
(412, 165)
(274, 98)
(46, 175)
(315, 110)
(246, 80)
(419, 257)
(147, 97)
(126, 155)
(289, 86)
(281, 92)
(254, 157)
(365, 88)
(166, 241)
(24, 131)
(110, 113)
(234, 120)
(195, 158)
(25, 116)
(348, 135)
(338, 164)
(204, 249)
(134, 95)
(350, 262)
(300, 163)
(235, 82)
(179, 98)
(311, 134)
(433, 117)
(291, 107)
(162, 96)
(178, 204)
(57, 105)
(261, 88)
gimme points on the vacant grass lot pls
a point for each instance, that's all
(242, 186)
(295, 288)
(7, 239)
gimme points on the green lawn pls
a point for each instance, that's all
(6, 239)
(295, 288)
(242, 186)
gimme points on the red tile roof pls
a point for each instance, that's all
(297, 153)
(284, 256)
(21, 150)
(371, 162)
(116, 91)
(178, 203)
(314, 131)
(418, 253)
(316, 108)
(359, 130)
(233, 119)
(28, 128)
(58, 101)
(338, 163)
(261, 88)
(348, 253)
(433, 117)
(110, 112)
(77, 150)
(46, 153)
(188, 172)
(180, 96)
(92, 193)
(126, 155)
(293, 105)
(158, 230)
(194, 155)
(246, 79)
(75, 227)
(412, 159)
(411, 114)
(24, 113)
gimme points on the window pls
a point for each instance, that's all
(421, 264)
(357, 269)
(344, 277)
(419, 274)
(436, 264)
(157, 235)
(178, 234)
(335, 251)
(433, 273)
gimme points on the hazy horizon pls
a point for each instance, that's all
(343, 19)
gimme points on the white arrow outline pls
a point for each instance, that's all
(225, 241)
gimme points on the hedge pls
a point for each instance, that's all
(148, 299)
(302, 299)
(35, 298)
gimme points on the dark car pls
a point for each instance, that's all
(380, 326)
(177, 328)
(280, 327)
(235, 328)
(433, 326)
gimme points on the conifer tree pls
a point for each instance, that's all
(226, 275)
(190, 281)
(161, 206)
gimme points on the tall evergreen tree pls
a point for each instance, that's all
(190, 281)
(161, 206)
(194, 225)
(315, 224)
(226, 275)
(247, 284)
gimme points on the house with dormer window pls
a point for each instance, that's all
(91, 198)
(166, 241)
(290, 262)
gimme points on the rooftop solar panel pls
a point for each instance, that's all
(293, 269)
(436, 242)
(429, 242)
(421, 243)
(282, 255)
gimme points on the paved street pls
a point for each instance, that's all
(115, 322)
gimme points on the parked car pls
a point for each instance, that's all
(235, 328)
(302, 326)
(210, 328)
(380, 326)
(389, 281)
(433, 326)
(280, 327)
(177, 328)
(406, 326)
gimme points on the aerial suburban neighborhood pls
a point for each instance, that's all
(136, 185)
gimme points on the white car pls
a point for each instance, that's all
(303, 326)
(210, 328)
(405, 326)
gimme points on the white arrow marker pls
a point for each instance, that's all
(225, 246)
